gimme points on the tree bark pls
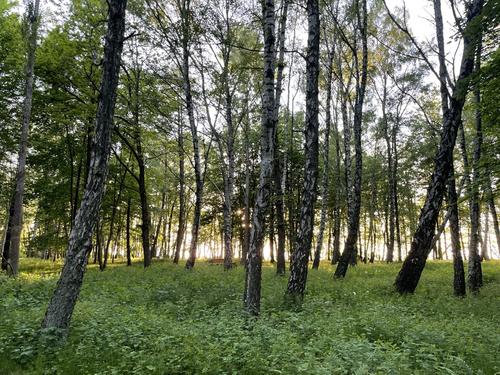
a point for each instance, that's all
(185, 19)
(262, 199)
(349, 252)
(229, 175)
(302, 248)
(326, 162)
(336, 197)
(493, 211)
(17, 218)
(390, 176)
(62, 303)
(278, 181)
(182, 193)
(474, 271)
(159, 226)
(6, 244)
(127, 232)
(458, 264)
(409, 275)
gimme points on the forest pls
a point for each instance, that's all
(249, 187)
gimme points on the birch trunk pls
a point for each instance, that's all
(63, 301)
(349, 253)
(262, 199)
(458, 264)
(326, 163)
(182, 193)
(278, 175)
(409, 275)
(474, 271)
(17, 217)
(185, 19)
(302, 250)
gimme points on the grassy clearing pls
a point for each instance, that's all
(165, 320)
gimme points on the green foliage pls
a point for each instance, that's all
(165, 320)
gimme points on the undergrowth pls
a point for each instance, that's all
(165, 320)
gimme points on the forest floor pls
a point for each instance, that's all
(165, 320)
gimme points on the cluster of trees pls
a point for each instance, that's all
(227, 129)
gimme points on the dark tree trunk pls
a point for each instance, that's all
(63, 301)
(169, 229)
(485, 239)
(349, 253)
(229, 170)
(493, 211)
(6, 245)
(409, 275)
(262, 199)
(302, 248)
(185, 20)
(246, 219)
(154, 253)
(326, 163)
(390, 176)
(17, 217)
(458, 264)
(127, 232)
(336, 197)
(182, 203)
(278, 183)
(271, 234)
(116, 202)
(474, 271)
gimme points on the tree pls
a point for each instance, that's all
(62, 303)
(413, 265)
(302, 248)
(326, 158)
(361, 78)
(262, 199)
(32, 23)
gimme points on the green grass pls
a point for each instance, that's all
(165, 320)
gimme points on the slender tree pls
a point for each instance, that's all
(263, 196)
(326, 161)
(62, 303)
(16, 225)
(302, 248)
(361, 78)
(413, 265)
(474, 270)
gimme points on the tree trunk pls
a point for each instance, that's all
(412, 268)
(278, 183)
(182, 203)
(229, 175)
(302, 250)
(246, 219)
(352, 233)
(185, 20)
(262, 199)
(116, 202)
(271, 234)
(458, 264)
(63, 301)
(326, 163)
(17, 218)
(493, 211)
(391, 212)
(336, 197)
(474, 271)
(154, 253)
(6, 244)
(485, 239)
(127, 232)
